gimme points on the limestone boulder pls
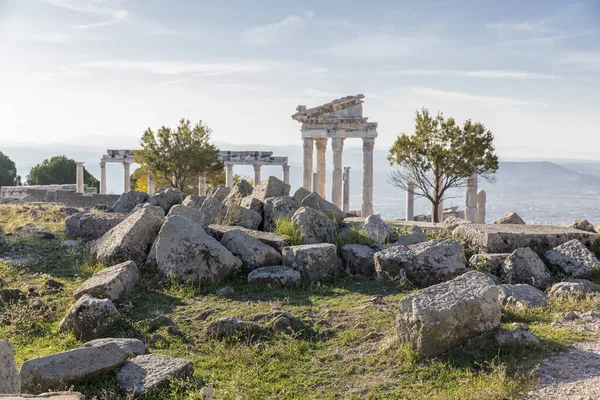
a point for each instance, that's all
(518, 337)
(147, 373)
(573, 287)
(214, 211)
(90, 318)
(253, 204)
(9, 378)
(525, 266)
(446, 315)
(583, 225)
(316, 227)
(491, 263)
(129, 240)
(193, 201)
(229, 326)
(315, 201)
(274, 276)
(301, 194)
(220, 193)
(394, 263)
(316, 262)
(270, 187)
(186, 251)
(244, 217)
(191, 213)
(452, 222)
(93, 226)
(240, 190)
(574, 259)
(72, 225)
(414, 236)
(358, 259)
(278, 207)
(128, 200)
(253, 253)
(278, 242)
(378, 230)
(166, 198)
(510, 218)
(130, 346)
(111, 283)
(521, 295)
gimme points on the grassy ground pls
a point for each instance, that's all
(346, 350)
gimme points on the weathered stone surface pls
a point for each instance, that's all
(358, 259)
(488, 262)
(147, 373)
(240, 190)
(9, 378)
(220, 193)
(583, 225)
(46, 396)
(443, 316)
(274, 240)
(301, 194)
(214, 211)
(278, 207)
(129, 200)
(131, 239)
(314, 225)
(72, 225)
(573, 287)
(228, 326)
(93, 225)
(111, 283)
(59, 371)
(508, 238)
(251, 251)
(270, 187)
(193, 201)
(411, 238)
(191, 213)
(166, 198)
(378, 230)
(510, 218)
(274, 276)
(393, 262)
(132, 347)
(521, 295)
(244, 217)
(315, 201)
(314, 261)
(452, 222)
(89, 318)
(525, 266)
(185, 250)
(519, 337)
(253, 204)
(573, 258)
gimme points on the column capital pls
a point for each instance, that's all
(256, 166)
(368, 144)
(102, 164)
(337, 144)
(321, 144)
(285, 167)
(308, 143)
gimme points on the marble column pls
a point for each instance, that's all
(315, 182)
(337, 144)
(481, 200)
(286, 174)
(202, 184)
(471, 198)
(102, 177)
(229, 175)
(321, 145)
(150, 183)
(126, 177)
(256, 174)
(367, 180)
(79, 178)
(346, 190)
(307, 163)
(410, 202)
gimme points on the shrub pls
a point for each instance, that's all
(284, 226)
(352, 235)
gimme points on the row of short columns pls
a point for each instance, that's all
(257, 174)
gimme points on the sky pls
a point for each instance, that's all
(102, 71)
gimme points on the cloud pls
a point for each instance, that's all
(276, 32)
(548, 39)
(383, 45)
(177, 67)
(518, 27)
(321, 93)
(583, 60)
(451, 98)
(484, 74)
(95, 24)
(100, 8)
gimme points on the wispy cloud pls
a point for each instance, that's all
(451, 98)
(503, 28)
(177, 67)
(484, 74)
(549, 39)
(110, 10)
(383, 45)
(583, 60)
(276, 32)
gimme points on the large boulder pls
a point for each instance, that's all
(166, 198)
(376, 229)
(131, 239)
(147, 373)
(316, 262)
(358, 259)
(132, 347)
(214, 211)
(521, 296)
(187, 212)
(72, 225)
(186, 251)
(583, 225)
(94, 225)
(228, 326)
(128, 200)
(316, 227)
(525, 266)
(61, 370)
(253, 204)
(90, 318)
(315, 201)
(573, 287)
(395, 263)
(278, 207)
(574, 259)
(244, 217)
(491, 263)
(278, 242)
(443, 316)
(510, 218)
(220, 192)
(301, 194)
(274, 276)
(251, 251)
(240, 190)
(9, 379)
(111, 283)
(270, 187)
(193, 201)
(413, 236)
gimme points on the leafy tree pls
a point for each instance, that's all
(8, 172)
(59, 170)
(178, 156)
(440, 155)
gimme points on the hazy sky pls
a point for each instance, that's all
(79, 70)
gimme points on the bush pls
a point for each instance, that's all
(286, 227)
(352, 235)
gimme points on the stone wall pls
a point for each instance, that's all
(66, 197)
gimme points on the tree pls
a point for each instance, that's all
(441, 155)
(178, 156)
(59, 170)
(8, 172)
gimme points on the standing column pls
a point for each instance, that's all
(202, 184)
(286, 174)
(315, 182)
(367, 195)
(126, 177)
(102, 177)
(150, 183)
(307, 162)
(321, 145)
(337, 144)
(346, 190)
(79, 178)
(410, 202)
(229, 175)
(471, 198)
(256, 174)
(481, 200)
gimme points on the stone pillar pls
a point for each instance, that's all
(346, 190)
(481, 200)
(471, 198)
(150, 183)
(321, 145)
(315, 182)
(126, 177)
(307, 163)
(102, 177)
(367, 181)
(229, 175)
(256, 174)
(202, 184)
(337, 144)
(79, 177)
(286, 174)
(410, 202)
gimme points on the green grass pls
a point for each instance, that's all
(352, 235)
(286, 227)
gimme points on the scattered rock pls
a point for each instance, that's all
(244, 217)
(510, 218)
(131, 347)
(270, 187)
(274, 276)
(571, 316)
(36, 304)
(160, 321)
(278, 242)
(93, 225)
(111, 283)
(225, 291)
(573, 287)
(315, 261)
(240, 190)
(127, 202)
(583, 225)
(491, 263)
(228, 326)
(281, 324)
(72, 225)
(378, 230)
(316, 227)
(214, 211)
(9, 378)
(253, 204)
(166, 198)
(278, 207)
(452, 222)
(393, 263)
(51, 285)
(411, 238)
(516, 337)
(525, 266)
(251, 251)
(313, 200)
(220, 193)
(301, 194)
(358, 259)
(574, 259)
(89, 318)
(193, 201)
(12, 296)
(191, 213)
(521, 295)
